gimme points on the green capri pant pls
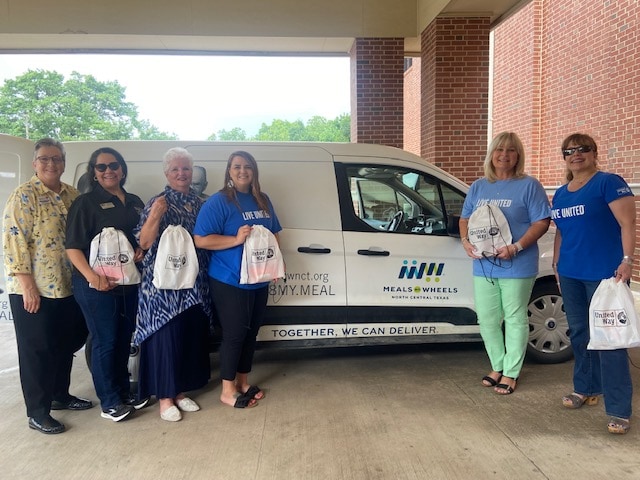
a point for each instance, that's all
(505, 299)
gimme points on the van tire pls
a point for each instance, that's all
(548, 327)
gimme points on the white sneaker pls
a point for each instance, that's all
(171, 414)
(187, 405)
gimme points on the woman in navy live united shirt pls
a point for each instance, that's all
(596, 216)
(223, 225)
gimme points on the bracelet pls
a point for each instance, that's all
(627, 259)
(554, 265)
(465, 239)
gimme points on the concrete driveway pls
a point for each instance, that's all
(381, 413)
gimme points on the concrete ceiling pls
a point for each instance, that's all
(260, 27)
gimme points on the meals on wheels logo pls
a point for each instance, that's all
(430, 271)
(423, 271)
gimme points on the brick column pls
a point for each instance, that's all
(455, 89)
(377, 77)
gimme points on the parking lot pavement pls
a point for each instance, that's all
(415, 412)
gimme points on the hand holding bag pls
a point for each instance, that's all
(261, 257)
(613, 321)
(176, 265)
(111, 255)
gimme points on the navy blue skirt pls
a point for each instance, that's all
(175, 359)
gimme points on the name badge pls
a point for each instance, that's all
(44, 199)
(107, 205)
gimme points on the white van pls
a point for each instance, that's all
(369, 238)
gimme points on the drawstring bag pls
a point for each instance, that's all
(261, 257)
(111, 255)
(488, 230)
(613, 321)
(176, 266)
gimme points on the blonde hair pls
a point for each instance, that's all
(504, 140)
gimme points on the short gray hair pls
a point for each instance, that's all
(173, 154)
(49, 142)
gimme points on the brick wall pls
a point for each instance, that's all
(568, 66)
(454, 91)
(377, 91)
(516, 82)
(412, 106)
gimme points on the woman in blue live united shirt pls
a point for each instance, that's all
(596, 218)
(503, 283)
(222, 226)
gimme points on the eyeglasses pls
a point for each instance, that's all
(567, 152)
(102, 167)
(45, 160)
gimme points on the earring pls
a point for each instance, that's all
(95, 179)
(230, 184)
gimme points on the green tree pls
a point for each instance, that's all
(41, 103)
(235, 134)
(317, 129)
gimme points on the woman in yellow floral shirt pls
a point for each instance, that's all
(48, 322)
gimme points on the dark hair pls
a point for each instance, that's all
(229, 190)
(49, 142)
(579, 139)
(94, 158)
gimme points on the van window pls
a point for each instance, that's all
(397, 199)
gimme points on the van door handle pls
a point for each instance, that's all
(313, 249)
(374, 253)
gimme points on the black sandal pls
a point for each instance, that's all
(508, 389)
(490, 382)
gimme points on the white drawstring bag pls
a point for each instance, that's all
(261, 257)
(488, 230)
(613, 321)
(111, 255)
(176, 266)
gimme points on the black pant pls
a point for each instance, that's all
(240, 313)
(46, 342)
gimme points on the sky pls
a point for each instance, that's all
(195, 96)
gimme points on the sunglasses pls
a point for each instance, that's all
(567, 152)
(102, 167)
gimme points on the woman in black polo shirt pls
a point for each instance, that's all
(109, 308)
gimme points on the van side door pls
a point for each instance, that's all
(405, 275)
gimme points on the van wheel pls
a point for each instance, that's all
(548, 327)
(134, 362)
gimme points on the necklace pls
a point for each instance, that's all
(578, 182)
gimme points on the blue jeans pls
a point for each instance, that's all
(110, 319)
(595, 372)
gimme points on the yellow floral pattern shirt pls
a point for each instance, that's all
(33, 231)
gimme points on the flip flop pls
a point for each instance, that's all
(254, 392)
(242, 401)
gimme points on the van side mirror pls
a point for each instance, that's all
(453, 226)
